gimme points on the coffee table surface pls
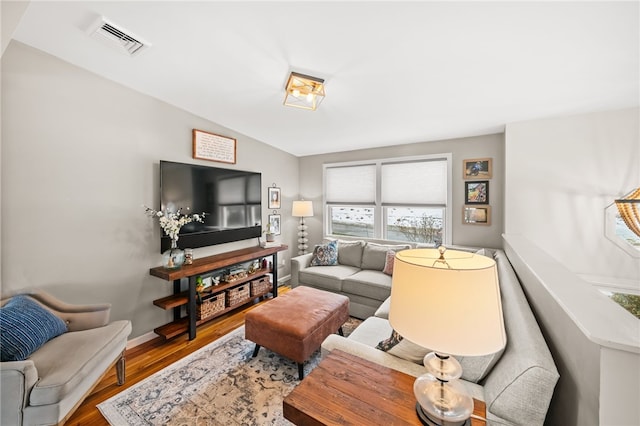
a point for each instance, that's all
(347, 390)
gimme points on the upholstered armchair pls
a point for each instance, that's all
(45, 385)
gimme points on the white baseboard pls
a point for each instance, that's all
(141, 339)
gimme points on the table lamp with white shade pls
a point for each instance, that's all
(449, 302)
(302, 209)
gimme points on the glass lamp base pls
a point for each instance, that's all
(426, 420)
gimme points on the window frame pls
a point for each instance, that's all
(380, 212)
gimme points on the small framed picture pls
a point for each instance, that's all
(212, 147)
(274, 221)
(477, 168)
(476, 215)
(274, 197)
(476, 192)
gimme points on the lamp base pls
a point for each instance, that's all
(428, 421)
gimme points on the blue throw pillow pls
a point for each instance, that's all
(25, 326)
(325, 254)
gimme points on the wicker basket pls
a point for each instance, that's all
(260, 286)
(238, 295)
(210, 305)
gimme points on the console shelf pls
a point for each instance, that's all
(187, 274)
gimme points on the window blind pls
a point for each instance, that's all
(420, 182)
(351, 184)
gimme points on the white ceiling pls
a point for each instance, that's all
(395, 72)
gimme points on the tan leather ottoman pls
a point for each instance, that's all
(296, 323)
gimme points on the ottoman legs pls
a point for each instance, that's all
(300, 365)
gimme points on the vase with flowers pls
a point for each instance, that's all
(171, 222)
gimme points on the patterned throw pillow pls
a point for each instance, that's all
(25, 326)
(402, 348)
(388, 263)
(325, 254)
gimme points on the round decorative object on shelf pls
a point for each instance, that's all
(174, 257)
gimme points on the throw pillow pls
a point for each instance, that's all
(25, 326)
(397, 345)
(325, 254)
(388, 263)
(474, 368)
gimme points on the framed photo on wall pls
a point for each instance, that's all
(274, 197)
(274, 221)
(476, 215)
(476, 192)
(477, 168)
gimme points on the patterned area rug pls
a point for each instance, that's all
(220, 384)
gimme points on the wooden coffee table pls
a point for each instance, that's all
(348, 390)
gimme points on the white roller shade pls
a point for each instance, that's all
(423, 182)
(352, 184)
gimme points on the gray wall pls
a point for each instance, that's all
(80, 157)
(491, 146)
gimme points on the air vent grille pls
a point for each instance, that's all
(117, 37)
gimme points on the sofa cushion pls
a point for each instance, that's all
(325, 254)
(25, 326)
(326, 277)
(368, 283)
(383, 310)
(350, 253)
(375, 255)
(64, 363)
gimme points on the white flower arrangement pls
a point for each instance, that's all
(172, 222)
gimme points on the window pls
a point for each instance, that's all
(402, 199)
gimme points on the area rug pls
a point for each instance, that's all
(219, 384)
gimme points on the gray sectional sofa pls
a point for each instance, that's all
(357, 275)
(517, 385)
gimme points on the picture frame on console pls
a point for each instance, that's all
(476, 215)
(476, 192)
(477, 168)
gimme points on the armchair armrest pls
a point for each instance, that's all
(77, 317)
(16, 380)
(299, 263)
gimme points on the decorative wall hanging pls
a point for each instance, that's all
(476, 192)
(212, 147)
(476, 215)
(274, 197)
(477, 168)
(274, 222)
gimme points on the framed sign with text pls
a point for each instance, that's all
(212, 147)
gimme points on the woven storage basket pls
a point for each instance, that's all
(238, 295)
(260, 285)
(210, 305)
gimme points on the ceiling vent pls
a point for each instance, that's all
(117, 37)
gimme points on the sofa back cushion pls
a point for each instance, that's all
(374, 255)
(350, 253)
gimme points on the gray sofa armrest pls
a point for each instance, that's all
(18, 377)
(77, 317)
(299, 263)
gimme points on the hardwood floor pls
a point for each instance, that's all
(152, 356)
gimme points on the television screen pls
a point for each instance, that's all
(231, 199)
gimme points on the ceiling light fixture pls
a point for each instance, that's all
(304, 91)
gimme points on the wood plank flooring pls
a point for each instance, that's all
(154, 355)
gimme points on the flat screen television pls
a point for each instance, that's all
(231, 199)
